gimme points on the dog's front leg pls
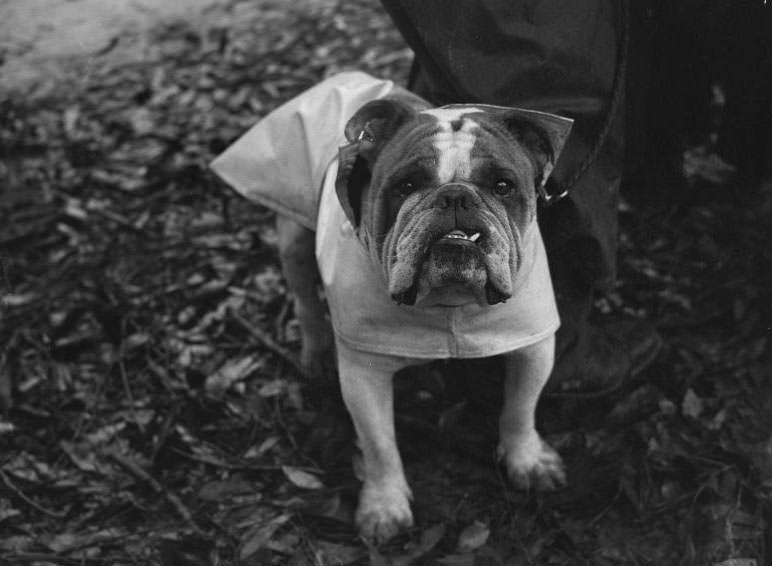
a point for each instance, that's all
(530, 461)
(384, 501)
(296, 250)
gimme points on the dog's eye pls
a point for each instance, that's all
(503, 187)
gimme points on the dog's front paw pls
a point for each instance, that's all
(383, 512)
(533, 464)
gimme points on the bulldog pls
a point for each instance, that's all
(424, 233)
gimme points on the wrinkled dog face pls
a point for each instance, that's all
(446, 195)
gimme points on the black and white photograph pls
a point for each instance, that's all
(385, 283)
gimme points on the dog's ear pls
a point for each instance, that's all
(541, 133)
(367, 132)
(376, 122)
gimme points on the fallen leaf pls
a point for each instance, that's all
(429, 539)
(431, 536)
(466, 559)
(692, 405)
(273, 388)
(338, 554)
(231, 372)
(473, 537)
(19, 543)
(142, 121)
(17, 299)
(70, 121)
(105, 433)
(257, 452)
(700, 163)
(301, 478)
(84, 457)
(636, 405)
(258, 536)
(6, 426)
(66, 541)
(136, 340)
(221, 489)
(7, 511)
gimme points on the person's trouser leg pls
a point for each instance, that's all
(515, 53)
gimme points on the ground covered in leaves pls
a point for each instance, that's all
(153, 412)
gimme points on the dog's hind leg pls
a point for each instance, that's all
(296, 250)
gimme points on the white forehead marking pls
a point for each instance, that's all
(454, 149)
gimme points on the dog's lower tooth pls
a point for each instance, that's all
(474, 237)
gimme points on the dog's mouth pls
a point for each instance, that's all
(454, 265)
(461, 237)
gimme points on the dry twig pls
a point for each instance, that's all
(140, 474)
(9, 484)
(269, 343)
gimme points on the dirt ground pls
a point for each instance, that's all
(44, 41)
(152, 409)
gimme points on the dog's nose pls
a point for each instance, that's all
(456, 196)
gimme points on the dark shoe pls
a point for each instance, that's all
(611, 355)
